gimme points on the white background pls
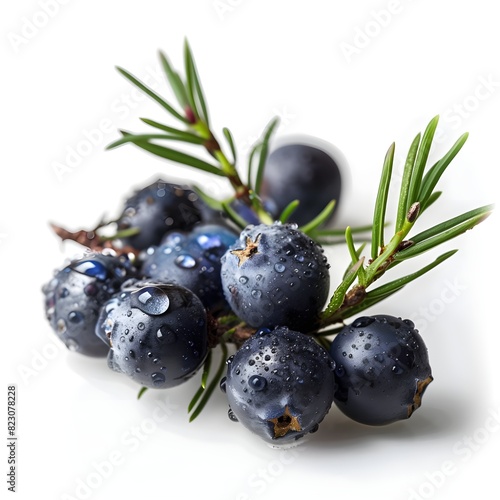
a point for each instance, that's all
(357, 74)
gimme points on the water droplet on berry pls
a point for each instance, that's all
(257, 383)
(222, 384)
(91, 268)
(340, 371)
(256, 294)
(185, 261)
(63, 292)
(151, 300)
(75, 317)
(232, 416)
(368, 346)
(158, 378)
(299, 258)
(397, 369)
(363, 322)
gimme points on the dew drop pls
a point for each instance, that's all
(151, 300)
(257, 383)
(158, 378)
(91, 268)
(256, 294)
(222, 384)
(363, 321)
(140, 326)
(279, 267)
(243, 280)
(185, 261)
(75, 317)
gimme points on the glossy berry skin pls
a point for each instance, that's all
(300, 172)
(156, 209)
(75, 295)
(156, 333)
(275, 275)
(382, 369)
(280, 385)
(192, 259)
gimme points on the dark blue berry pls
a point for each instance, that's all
(382, 369)
(156, 332)
(300, 172)
(156, 209)
(280, 385)
(192, 259)
(74, 297)
(276, 275)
